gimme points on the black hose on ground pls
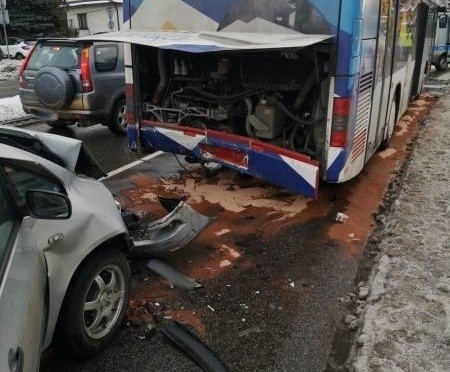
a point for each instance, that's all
(193, 348)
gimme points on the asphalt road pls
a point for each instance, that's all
(110, 151)
(274, 266)
(8, 88)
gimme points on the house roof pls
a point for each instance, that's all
(75, 3)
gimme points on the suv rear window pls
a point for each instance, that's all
(62, 56)
(106, 57)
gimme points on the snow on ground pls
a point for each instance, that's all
(406, 320)
(9, 69)
(11, 108)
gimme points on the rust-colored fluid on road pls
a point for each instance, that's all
(250, 215)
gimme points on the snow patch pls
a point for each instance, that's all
(11, 108)
(9, 69)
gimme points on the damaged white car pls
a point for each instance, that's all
(64, 243)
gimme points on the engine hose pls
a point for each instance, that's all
(163, 77)
(291, 141)
(291, 116)
(306, 88)
(222, 98)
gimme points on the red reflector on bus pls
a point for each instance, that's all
(129, 98)
(341, 115)
(342, 106)
(339, 138)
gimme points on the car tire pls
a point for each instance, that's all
(95, 304)
(118, 123)
(390, 127)
(54, 87)
(442, 63)
(19, 56)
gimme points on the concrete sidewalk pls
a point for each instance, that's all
(405, 321)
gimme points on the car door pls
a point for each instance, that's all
(22, 287)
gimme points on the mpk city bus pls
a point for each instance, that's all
(290, 91)
(442, 41)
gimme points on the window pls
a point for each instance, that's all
(71, 23)
(61, 56)
(25, 180)
(82, 21)
(7, 224)
(106, 57)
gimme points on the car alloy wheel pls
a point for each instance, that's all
(95, 304)
(104, 301)
(122, 116)
(118, 123)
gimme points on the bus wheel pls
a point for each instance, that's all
(442, 63)
(390, 127)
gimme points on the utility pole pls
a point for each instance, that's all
(4, 20)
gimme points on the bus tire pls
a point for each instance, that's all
(442, 63)
(389, 127)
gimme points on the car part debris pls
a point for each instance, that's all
(212, 168)
(193, 348)
(174, 276)
(341, 217)
(169, 233)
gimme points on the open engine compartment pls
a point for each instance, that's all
(277, 96)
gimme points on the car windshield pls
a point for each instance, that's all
(61, 56)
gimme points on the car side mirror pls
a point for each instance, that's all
(443, 21)
(48, 205)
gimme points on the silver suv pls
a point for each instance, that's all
(67, 81)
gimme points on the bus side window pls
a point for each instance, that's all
(443, 19)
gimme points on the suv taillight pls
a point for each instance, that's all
(23, 66)
(86, 79)
(341, 116)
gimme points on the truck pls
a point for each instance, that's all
(289, 91)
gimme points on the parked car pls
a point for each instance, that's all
(67, 81)
(18, 48)
(64, 273)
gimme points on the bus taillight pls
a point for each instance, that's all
(341, 115)
(131, 108)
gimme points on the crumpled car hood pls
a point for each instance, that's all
(67, 152)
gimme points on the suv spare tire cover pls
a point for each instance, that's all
(53, 87)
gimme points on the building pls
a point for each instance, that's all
(89, 17)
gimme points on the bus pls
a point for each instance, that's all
(290, 91)
(442, 41)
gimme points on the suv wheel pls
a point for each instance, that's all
(118, 124)
(19, 56)
(95, 304)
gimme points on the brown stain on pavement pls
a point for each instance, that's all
(361, 197)
(248, 210)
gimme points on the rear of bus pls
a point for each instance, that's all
(249, 86)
